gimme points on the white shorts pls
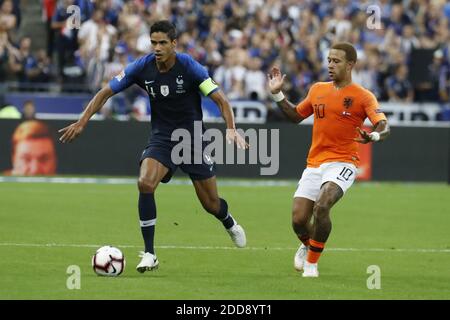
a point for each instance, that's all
(341, 173)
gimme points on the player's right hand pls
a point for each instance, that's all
(233, 135)
(364, 136)
(275, 80)
(71, 132)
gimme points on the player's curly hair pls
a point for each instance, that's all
(164, 26)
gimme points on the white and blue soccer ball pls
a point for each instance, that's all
(108, 261)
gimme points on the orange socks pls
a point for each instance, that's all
(314, 250)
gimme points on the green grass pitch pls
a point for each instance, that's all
(404, 229)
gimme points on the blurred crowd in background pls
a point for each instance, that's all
(239, 41)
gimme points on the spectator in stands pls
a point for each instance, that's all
(48, 11)
(21, 62)
(340, 24)
(444, 92)
(266, 30)
(255, 81)
(361, 74)
(5, 48)
(16, 11)
(66, 37)
(86, 8)
(398, 86)
(7, 16)
(398, 19)
(230, 76)
(434, 71)
(444, 83)
(408, 41)
(131, 18)
(376, 67)
(44, 67)
(96, 37)
(37, 69)
(213, 56)
(28, 110)
(111, 9)
(113, 68)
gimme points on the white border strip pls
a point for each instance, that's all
(62, 245)
(78, 180)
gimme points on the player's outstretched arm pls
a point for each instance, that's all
(380, 132)
(72, 131)
(275, 84)
(227, 113)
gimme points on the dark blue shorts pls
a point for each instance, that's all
(162, 153)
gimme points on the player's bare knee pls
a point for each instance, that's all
(299, 219)
(147, 185)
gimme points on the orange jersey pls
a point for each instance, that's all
(337, 114)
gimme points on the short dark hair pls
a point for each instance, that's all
(348, 48)
(164, 26)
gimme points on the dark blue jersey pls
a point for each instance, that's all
(174, 95)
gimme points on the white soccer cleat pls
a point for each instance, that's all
(300, 257)
(237, 234)
(149, 262)
(310, 270)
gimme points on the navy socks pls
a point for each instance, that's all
(147, 217)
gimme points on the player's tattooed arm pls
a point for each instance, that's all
(289, 110)
(380, 132)
(382, 127)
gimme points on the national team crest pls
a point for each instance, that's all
(348, 101)
(120, 76)
(165, 90)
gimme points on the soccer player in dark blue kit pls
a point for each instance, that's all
(173, 82)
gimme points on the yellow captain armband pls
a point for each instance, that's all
(207, 86)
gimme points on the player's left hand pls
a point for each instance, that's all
(233, 135)
(365, 138)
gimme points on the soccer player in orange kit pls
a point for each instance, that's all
(340, 108)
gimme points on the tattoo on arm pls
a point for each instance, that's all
(290, 111)
(383, 129)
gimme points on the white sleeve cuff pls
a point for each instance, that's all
(278, 96)
(374, 136)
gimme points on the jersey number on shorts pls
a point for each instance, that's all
(346, 173)
(319, 111)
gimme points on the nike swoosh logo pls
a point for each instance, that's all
(148, 82)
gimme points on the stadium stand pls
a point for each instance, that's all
(403, 57)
